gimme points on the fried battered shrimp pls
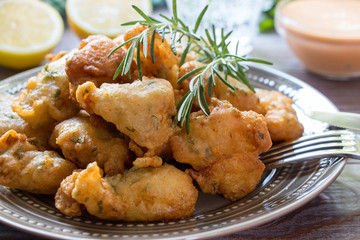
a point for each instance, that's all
(10, 120)
(91, 63)
(223, 147)
(24, 167)
(141, 194)
(83, 142)
(46, 97)
(142, 110)
(241, 98)
(280, 117)
(166, 64)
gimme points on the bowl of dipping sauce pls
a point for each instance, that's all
(323, 34)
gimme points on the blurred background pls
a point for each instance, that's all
(96, 17)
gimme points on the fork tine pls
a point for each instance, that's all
(308, 156)
(330, 143)
(320, 138)
(308, 148)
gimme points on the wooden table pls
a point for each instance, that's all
(335, 213)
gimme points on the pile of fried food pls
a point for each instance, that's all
(100, 145)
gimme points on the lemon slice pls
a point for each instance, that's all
(88, 17)
(28, 31)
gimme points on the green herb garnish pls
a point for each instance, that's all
(217, 59)
(173, 27)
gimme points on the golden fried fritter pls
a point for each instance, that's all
(10, 120)
(141, 194)
(241, 98)
(24, 167)
(142, 110)
(280, 117)
(46, 97)
(83, 142)
(224, 132)
(233, 176)
(91, 63)
(166, 64)
(223, 148)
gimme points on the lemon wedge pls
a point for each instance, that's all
(89, 17)
(29, 29)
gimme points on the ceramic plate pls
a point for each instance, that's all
(280, 191)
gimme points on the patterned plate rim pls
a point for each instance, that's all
(208, 225)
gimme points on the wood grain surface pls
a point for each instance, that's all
(335, 213)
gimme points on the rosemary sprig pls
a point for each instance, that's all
(218, 61)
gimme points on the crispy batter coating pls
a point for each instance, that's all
(233, 176)
(142, 110)
(166, 64)
(82, 142)
(141, 194)
(223, 148)
(46, 97)
(241, 98)
(280, 117)
(91, 63)
(142, 162)
(224, 132)
(63, 199)
(10, 120)
(24, 167)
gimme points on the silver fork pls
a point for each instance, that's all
(333, 143)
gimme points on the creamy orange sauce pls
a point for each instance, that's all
(324, 34)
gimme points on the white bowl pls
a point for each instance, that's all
(323, 34)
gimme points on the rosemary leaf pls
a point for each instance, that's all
(258, 61)
(199, 19)
(130, 23)
(211, 82)
(165, 17)
(185, 52)
(190, 74)
(174, 9)
(182, 100)
(203, 101)
(139, 62)
(173, 45)
(146, 17)
(128, 58)
(223, 80)
(163, 35)
(187, 125)
(152, 48)
(118, 70)
(145, 42)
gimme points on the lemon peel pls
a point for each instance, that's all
(90, 17)
(28, 31)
